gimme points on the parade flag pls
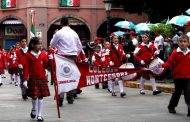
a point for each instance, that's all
(72, 3)
(71, 75)
(32, 29)
(8, 3)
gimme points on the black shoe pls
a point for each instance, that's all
(97, 86)
(75, 96)
(156, 92)
(60, 103)
(113, 94)
(79, 91)
(39, 118)
(1, 84)
(171, 110)
(123, 94)
(32, 115)
(188, 114)
(142, 92)
(24, 97)
(70, 100)
(104, 86)
(109, 91)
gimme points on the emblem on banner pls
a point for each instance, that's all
(66, 70)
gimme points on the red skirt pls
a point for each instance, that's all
(2, 71)
(38, 88)
(13, 70)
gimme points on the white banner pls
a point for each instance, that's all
(67, 73)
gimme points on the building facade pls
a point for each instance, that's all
(87, 18)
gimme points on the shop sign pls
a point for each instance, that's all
(15, 30)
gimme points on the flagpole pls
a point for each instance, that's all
(55, 86)
(32, 28)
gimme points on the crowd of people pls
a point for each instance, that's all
(28, 64)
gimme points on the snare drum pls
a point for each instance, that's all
(154, 69)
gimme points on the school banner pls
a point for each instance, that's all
(71, 75)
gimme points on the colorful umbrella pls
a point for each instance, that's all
(188, 11)
(125, 24)
(142, 27)
(119, 33)
(179, 20)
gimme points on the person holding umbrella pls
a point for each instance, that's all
(187, 29)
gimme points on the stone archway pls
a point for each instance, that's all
(101, 30)
(14, 29)
(13, 17)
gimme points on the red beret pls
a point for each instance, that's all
(188, 23)
(132, 33)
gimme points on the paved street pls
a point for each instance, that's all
(93, 106)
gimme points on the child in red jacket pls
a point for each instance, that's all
(34, 76)
(180, 62)
(97, 60)
(144, 54)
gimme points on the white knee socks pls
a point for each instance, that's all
(0, 79)
(153, 82)
(120, 82)
(110, 85)
(40, 106)
(142, 80)
(34, 101)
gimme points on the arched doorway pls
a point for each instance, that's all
(80, 27)
(12, 30)
(101, 31)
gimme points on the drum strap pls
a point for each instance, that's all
(97, 56)
(115, 51)
(148, 50)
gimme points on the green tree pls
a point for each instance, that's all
(163, 29)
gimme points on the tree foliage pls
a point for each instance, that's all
(163, 29)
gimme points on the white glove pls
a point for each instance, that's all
(25, 84)
(142, 62)
(111, 63)
(157, 52)
(20, 66)
(103, 59)
(50, 56)
(128, 55)
(86, 60)
(14, 59)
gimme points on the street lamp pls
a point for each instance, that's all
(108, 4)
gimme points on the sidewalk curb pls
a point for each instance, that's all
(132, 84)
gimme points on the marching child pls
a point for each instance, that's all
(144, 54)
(97, 59)
(21, 57)
(34, 76)
(179, 60)
(107, 62)
(117, 55)
(1, 66)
